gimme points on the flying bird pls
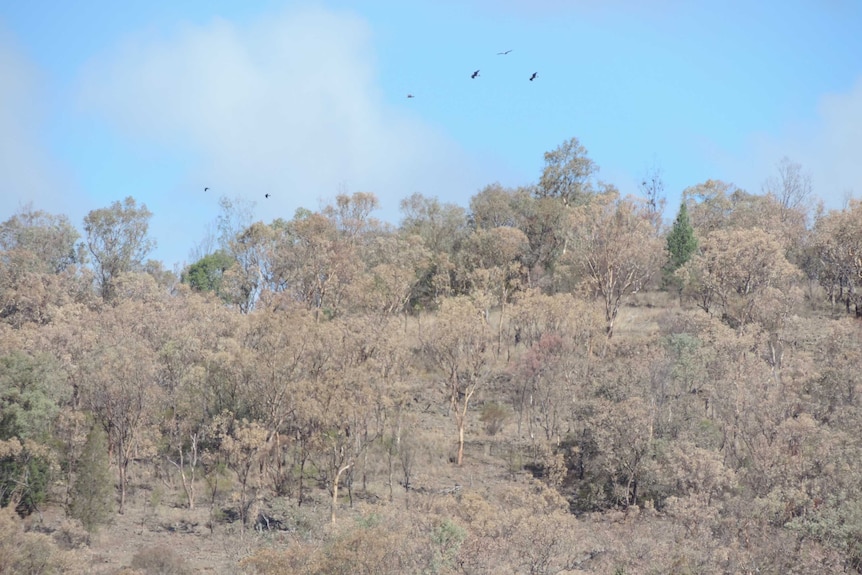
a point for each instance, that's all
(205, 189)
(266, 195)
(503, 53)
(409, 95)
(474, 74)
(533, 77)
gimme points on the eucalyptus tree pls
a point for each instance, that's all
(456, 345)
(737, 272)
(837, 244)
(119, 387)
(568, 174)
(50, 239)
(614, 245)
(117, 239)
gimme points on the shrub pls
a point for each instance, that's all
(494, 416)
(160, 560)
(93, 489)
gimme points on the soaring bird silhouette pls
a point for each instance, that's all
(533, 77)
(266, 195)
(474, 74)
(205, 189)
(503, 53)
(409, 95)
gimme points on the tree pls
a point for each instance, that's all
(567, 174)
(545, 222)
(792, 188)
(441, 226)
(93, 490)
(616, 247)
(39, 270)
(118, 241)
(735, 271)
(352, 214)
(207, 273)
(236, 216)
(277, 363)
(395, 264)
(652, 188)
(622, 432)
(184, 336)
(715, 205)
(254, 270)
(495, 206)
(681, 245)
(243, 444)
(456, 346)
(709, 205)
(546, 384)
(837, 244)
(25, 471)
(49, 238)
(317, 262)
(31, 391)
(495, 269)
(120, 386)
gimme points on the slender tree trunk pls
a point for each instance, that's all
(188, 487)
(302, 459)
(122, 477)
(335, 491)
(389, 481)
(460, 443)
(407, 492)
(462, 423)
(500, 326)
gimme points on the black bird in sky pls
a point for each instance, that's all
(266, 195)
(205, 189)
(533, 77)
(474, 74)
(409, 95)
(503, 53)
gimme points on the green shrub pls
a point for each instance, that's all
(92, 497)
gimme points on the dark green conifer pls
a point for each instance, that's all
(93, 492)
(681, 245)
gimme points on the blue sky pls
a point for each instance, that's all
(302, 100)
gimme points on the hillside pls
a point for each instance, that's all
(552, 383)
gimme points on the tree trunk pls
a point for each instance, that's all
(389, 481)
(301, 475)
(122, 473)
(188, 485)
(122, 464)
(460, 441)
(335, 491)
(500, 326)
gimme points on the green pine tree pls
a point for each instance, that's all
(681, 245)
(92, 499)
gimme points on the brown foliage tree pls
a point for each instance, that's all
(838, 245)
(456, 345)
(735, 272)
(613, 242)
(119, 390)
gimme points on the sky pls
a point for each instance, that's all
(303, 100)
